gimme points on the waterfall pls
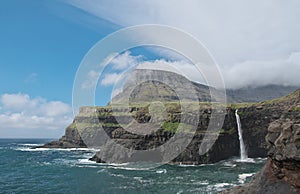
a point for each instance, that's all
(243, 152)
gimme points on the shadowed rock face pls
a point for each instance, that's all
(281, 174)
(227, 145)
(71, 139)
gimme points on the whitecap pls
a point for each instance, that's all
(242, 177)
(27, 149)
(86, 166)
(127, 168)
(248, 160)
(220, 186)
(200, 183)
(186, 165)
(229, 164)
(30, 144)
(161, 171)
(86, 161)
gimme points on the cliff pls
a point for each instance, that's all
(281, 173)
(255, 118)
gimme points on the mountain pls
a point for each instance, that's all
(144, 85)
(258, 94)
(155, 85)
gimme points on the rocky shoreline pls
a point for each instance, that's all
(281, 173)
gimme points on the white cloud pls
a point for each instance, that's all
(120, 62)
(110, 79)
(91, 80)
(281, 71)
(240, 34)
(18, 101)
(232, 29)
(180, 67)
(125, 60)
(21, 112)
(116, 62)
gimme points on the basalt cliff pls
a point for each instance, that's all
(281, 173)
(270, 129)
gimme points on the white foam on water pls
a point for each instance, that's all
(86, 161)
(141, 180)
(242, 177)
(102, 170)
(161, 171)
(118, 164)
(220, 186)
(200, 183)
(117, 175)
(247, 160)
(229, 164)
(27, 149)
(86, 166)
(126, 168)
(30, 144)
(186, 165)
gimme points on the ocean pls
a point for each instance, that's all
(24, 169)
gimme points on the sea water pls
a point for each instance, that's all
(24, 169)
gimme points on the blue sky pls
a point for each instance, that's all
(41, 47)
(43, 42)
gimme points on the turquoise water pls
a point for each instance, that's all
(27, 170)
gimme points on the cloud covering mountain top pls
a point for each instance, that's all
(254, 42)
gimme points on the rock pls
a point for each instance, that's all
(281, 173)
(71, 139)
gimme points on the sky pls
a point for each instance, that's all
(42, 44)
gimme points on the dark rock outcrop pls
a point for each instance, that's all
(281, 174)
(71, 139)
(226, 145)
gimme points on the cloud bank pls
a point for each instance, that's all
(245, 37)
(20, 112)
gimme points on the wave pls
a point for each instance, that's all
(127, 168)
(242, 177)
(229, 164)
(247, 160)
(86, 161)
(31, 149)
(163, 171)
(220, 186)
(192, 165)
(187, 165)
(30, 144)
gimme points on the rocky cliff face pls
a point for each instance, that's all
(255, 118)
(89, 120)
(71, 139)
(281, 174)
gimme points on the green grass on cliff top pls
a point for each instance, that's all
(192, 106)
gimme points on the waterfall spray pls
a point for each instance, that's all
(243, 153)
